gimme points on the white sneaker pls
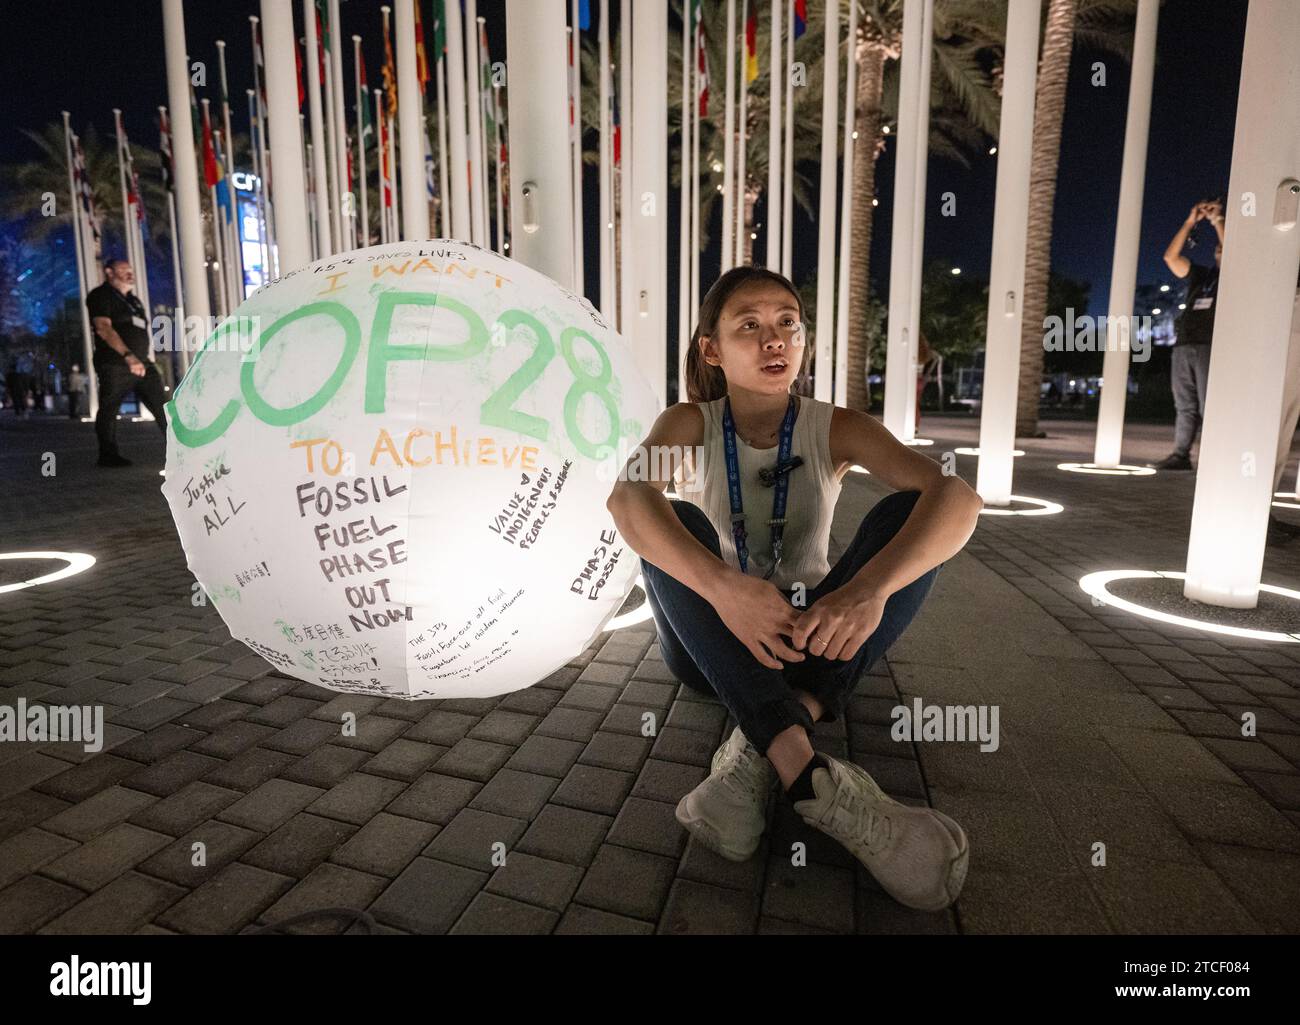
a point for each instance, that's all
(728, 811)
(918, 855)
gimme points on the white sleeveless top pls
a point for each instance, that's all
(810, 503)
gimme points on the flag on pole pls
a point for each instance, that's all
(390, 76)
(366, 118)
(211, 169)
(616, 139)
(751, 45)
(222, 183)
(428, 167)
(584, 15)
(259, 67)
(439, 29)
(702, 59)
(800, 17)
(322, 40)
(297, 61)
(165, 149)
(421, 59)
(84, 189)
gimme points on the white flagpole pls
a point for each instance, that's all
(846, 215)
(410, 113)
(741, 183)
(309, 186)
(218, 253)
(87, 346)
(334, 187)
(237, 261)
(444, 196)
(394, 213)
(364, 233)
(729, 146)
(461, 215)
(606, 157)
(685, 312)
(255, 124)
(501, 202)
(482, 115)
(824, 331)
(128, 237)
(773, 204)
(179, 318)
(318, 151)
(265, 207)
(344, 199)
(475, 114)
(579, 260)
(381, 150)
(787, 174)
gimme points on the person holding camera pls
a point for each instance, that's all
(1193, 333)
(122, 359)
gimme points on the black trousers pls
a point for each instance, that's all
(115, 382)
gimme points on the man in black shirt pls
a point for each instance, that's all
(1193, 332)
(122, 360)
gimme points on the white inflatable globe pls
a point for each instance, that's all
(389, 470)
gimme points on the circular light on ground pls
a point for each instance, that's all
(1042, 508)
(1094, 584)
(1118, 470)
(966, 450)
(638, 615)
(77, 562)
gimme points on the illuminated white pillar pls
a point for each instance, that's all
(787, 153)
(343, 199)
(1128, 231)
(646, 323)
(1007, 268)
(460, 208)
(907, 241)
(579, 258)
(410, 118)
(363, 234)
(1252, 326)
(184, 162)
(316, 116)
(541, 194)
(825, 328)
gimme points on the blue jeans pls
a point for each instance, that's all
(706, 656)
(1189, 377)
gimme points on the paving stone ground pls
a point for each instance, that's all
(1114, 731)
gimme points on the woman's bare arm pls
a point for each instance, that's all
(645, 517)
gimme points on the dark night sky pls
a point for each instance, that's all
(88, 57)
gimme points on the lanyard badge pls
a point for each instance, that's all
(781, 481)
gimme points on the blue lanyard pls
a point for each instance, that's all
(777, 521)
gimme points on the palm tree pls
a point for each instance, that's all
(1101, 23)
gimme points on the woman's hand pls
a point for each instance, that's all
(843, 619)
(760, 616)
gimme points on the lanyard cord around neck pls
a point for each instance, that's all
(777, 522)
